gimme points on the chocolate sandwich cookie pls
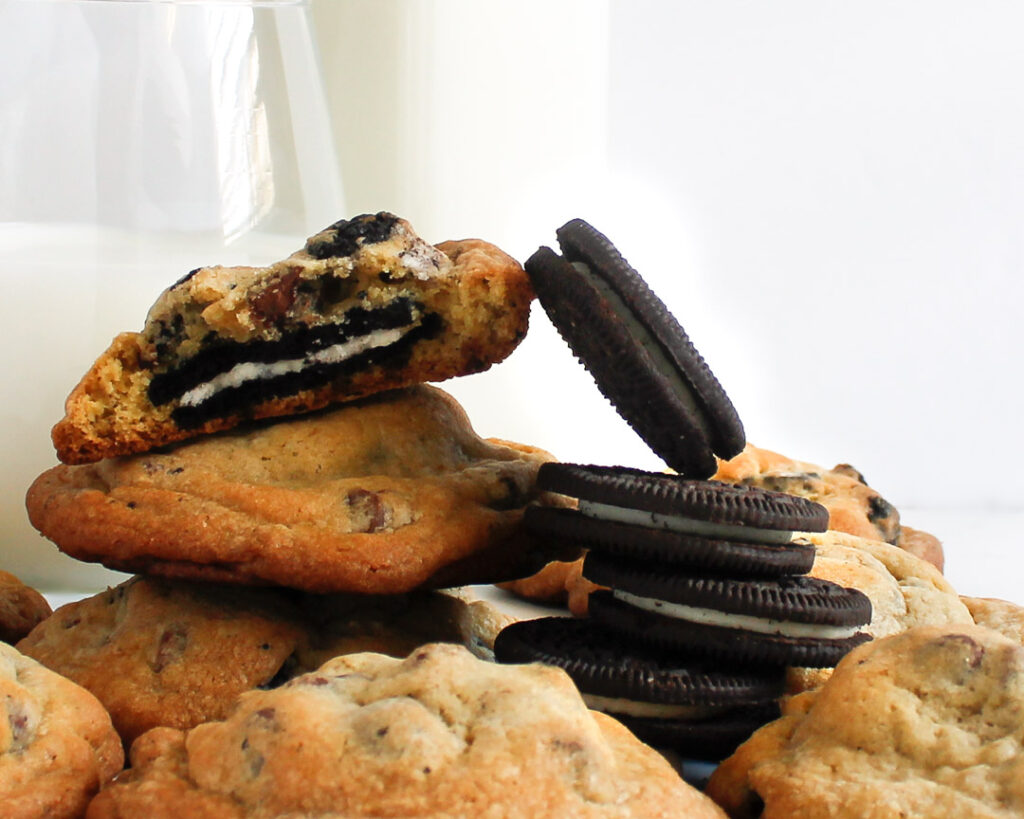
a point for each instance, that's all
(365, 306)
(699, 525)
(700, 709)
(639, 355)
(797, 620)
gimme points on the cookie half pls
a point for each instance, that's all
(700, 709)
(639, 355)
(798, 620)
(365, 306)
(704, 525)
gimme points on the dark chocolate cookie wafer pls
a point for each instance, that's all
(698, 708)
(639, 355)
(710, 740)
(683, 552)
(799, 621)
(706, 525)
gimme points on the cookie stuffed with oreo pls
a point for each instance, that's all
(365, 306)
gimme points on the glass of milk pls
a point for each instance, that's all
(138, 140)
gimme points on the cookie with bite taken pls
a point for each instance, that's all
(365, 306)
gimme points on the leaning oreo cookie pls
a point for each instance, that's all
(639, 355)
(365, 306)
(797, 621)
(692, 525)
(696, 708)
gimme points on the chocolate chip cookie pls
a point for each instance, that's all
(160, 652)
(923, 723)
(854, 507)
(365, 306)
(21, 608)
(905, 591)
(378, 496)
(178, 653)
(439, 734)
(57, 746)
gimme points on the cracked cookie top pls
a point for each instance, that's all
(438, 734)
(921, 723)
(378, 496)
(57, 745)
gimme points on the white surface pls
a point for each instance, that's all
(984, 549)
(840, 199)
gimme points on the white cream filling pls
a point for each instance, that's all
(665, 367)
(747, 622)
(635, 708)
(252, 371)
(684, 525)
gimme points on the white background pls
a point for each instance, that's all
(829, 196)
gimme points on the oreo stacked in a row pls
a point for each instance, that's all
(707, 598)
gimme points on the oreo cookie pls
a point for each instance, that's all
(639, 355)
(797, 620)
(698, 709)
(690, 525)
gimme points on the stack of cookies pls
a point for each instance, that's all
(708, 578)
(265, 458)
(335, 469)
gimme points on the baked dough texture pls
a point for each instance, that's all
(924, 723)
(853, 506)
(159, 652)
(452, 309)
(378, 496)
(999, 615)
(905, 591)
(21, 608)
(439, 734)
(57, 746)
